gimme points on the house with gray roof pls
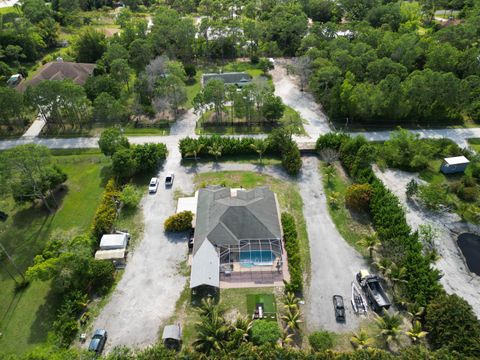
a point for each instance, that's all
(236, 231)
(238, 79)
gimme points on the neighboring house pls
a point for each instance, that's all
(60, 70)
(238, 238)
(236, 78)
(455, 164)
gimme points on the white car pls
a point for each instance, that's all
(169, 179)
(153, 186)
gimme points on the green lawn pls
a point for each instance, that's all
(268, 301)
(26, 317)
(353, 227)
(7, 10)
(193, 89)
(475, 144)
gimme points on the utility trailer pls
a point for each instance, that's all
(373, 290)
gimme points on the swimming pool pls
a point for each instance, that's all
(256, 257)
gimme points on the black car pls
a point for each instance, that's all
(339, 308)
(190, 240)
(98, 341)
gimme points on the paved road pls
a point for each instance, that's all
(8, 3)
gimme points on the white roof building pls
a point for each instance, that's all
(456, 160)
(114, 241)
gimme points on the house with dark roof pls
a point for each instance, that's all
(238, 237)
(238, 79)
(60, 70)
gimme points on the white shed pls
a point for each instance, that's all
(454, 164)
(114, 241)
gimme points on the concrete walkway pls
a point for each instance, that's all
(36, 128)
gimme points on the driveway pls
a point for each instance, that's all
(333, 261)
(286, 87)
(146, 295)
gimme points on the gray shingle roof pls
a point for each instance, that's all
(224, 220)
(228, 78)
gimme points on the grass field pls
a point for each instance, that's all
(25, 317)
(475, 144)
(353, 227)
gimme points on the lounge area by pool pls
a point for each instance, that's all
(256, 258)
(470, 246)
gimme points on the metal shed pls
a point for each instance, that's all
(172, 336)
(114, 241)
(456, 164)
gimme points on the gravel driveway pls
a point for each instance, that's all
(333, 261)
(146, 295)
(303, 102)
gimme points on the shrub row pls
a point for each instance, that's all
(292, 248)
(279, 142)
(229, 146)
(106, 212)
(179, 222)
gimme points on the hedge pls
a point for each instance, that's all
(230, 145)
(179, 222)
(106, 211)
(292, 248)
(279, 143)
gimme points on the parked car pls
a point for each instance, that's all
(169, 179)
(153, 186)
(98, 341)
(190, 240)
(339, 308)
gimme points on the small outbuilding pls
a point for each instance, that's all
(117, 256)
(114, 241)
(456, 164)
(172, 337)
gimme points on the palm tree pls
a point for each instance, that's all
(260, 147)
(361, 340)
(290, 301)
(215, 150)
(415, 312)
(286, 338)
(208, 308)
(370, 242)
(239, 332)
(416, 333)
(329, 172)
(194, 149)
(212, 334)
(382, 265)
(389, 326)
(291, 317)
(397, 275)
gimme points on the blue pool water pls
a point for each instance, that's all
(256, 257)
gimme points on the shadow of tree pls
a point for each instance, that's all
(44, 318)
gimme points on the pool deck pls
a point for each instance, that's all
(256, 276)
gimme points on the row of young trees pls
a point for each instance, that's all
(255, 102)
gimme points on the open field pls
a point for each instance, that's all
(25, 317)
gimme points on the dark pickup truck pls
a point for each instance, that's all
(376, 296)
